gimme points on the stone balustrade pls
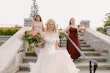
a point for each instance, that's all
(98, 41)
(10, 56)
(9, 52)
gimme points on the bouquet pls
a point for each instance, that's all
(33, 39)
(81, 29)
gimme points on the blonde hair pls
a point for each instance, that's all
(51, 20)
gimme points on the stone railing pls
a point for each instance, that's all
(10, 55)
(98, 41)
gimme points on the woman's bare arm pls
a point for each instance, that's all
(32, 26)
(43, 29)
(57, 47)
(64, 30)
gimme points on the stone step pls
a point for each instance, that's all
(62, 40)
(97, 71)
(86, 49)
(87, 53)
(85, 45)
(97, 58)
(22, 72)
(101, 66)
(24, 67)
(28, 59)
(64, 44)
(83, 42)
(65, 41)
(83, 48)
(82, 45)
(81, 71)
(30, 53)
(91, 53)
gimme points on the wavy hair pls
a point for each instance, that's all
(70, 20)
(39, 17)
(51, 20)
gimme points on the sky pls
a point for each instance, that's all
(13, 12)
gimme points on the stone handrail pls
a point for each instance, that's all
(97, 41)
(9, 56)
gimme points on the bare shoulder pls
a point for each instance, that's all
(75, 26)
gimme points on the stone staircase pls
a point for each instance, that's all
(83, 65)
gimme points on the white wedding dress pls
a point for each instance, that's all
(51, 60)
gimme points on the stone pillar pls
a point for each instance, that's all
(28, 22)
(108, 30)
(85, 23)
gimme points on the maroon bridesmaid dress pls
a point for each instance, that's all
(73, 34)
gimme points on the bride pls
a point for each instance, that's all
(53, 59)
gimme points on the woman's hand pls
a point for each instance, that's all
(40, 44)
(58, 48)
(33, 33)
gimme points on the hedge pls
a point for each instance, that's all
(9, 31)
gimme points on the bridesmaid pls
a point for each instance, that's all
(72, 29)
(37, 27)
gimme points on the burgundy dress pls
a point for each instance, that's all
(73, 34)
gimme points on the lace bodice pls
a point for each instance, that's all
(50, 41)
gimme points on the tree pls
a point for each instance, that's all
(107, 20)
(34, 10)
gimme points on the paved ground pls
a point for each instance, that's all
(98, 71)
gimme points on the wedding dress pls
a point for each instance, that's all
(51, 60)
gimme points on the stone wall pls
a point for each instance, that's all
(98, 41)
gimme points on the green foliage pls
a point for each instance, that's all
(8, 31)
(107, 20)
(61, 36)
(1, 32)
(102, 30)
(107, 23)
